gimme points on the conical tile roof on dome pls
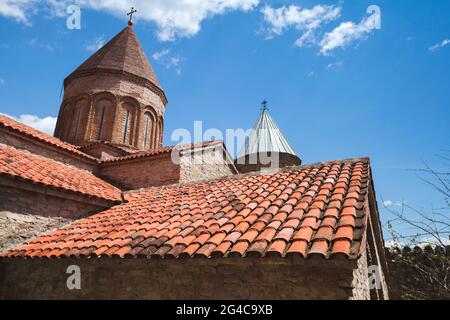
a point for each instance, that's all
(123, 54)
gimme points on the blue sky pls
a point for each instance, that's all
(348, 89)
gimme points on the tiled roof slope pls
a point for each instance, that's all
(162, 150)
(11, 124)
(29, 167)
(305, 211)
(122, 53)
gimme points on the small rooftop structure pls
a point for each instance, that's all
(266, 146)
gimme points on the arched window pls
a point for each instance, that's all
(63, 118)
(101, 124)
(125, 126)
(79, 108)
(147, 130)
(160, 132)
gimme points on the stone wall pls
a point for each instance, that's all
(224, 278)
(360, 281)
(212, 162)
(15, 228)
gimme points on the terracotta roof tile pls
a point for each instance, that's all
(324, 232)
(258, 248)
(349, 211)
(285, 234)
(42, 171)
(310, 222)
(345, 232)
(304, 234)
(315, 212)
(341, 246)
(277, 248)
(298, 247)
(13, 125)
(239, 248)
(223, 218)
(319, 247)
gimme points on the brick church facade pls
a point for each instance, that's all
(145, 221)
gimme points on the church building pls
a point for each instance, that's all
(139, 220)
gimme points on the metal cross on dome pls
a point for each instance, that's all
(264, 105)
(131, 14)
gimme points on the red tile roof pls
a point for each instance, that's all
(150, 153)
(124, 149)
(29, 167)
(122, 53)
(11, 124)
(304, 211)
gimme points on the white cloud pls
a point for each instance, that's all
(46, 124)
(306, 21)
(165, 58)
(312, 74)
(2, 81)
(174, 18)
(17, 9)
(440, 45)
(336, 66)
(390, 203)
(346, 33)
(96, 44)
(160, 54)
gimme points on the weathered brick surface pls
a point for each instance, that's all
(120, 79)
(103, 151)
(39, 202)
(231, 278)
(143, 172)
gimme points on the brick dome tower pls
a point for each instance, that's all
(114, 96)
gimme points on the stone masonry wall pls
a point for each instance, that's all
(224, 278)
(15, 228)
(360, 281)
(205, 164)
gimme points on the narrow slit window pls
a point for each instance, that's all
(125, 128)
(146, 127)
(78, 120)
(102, 119)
